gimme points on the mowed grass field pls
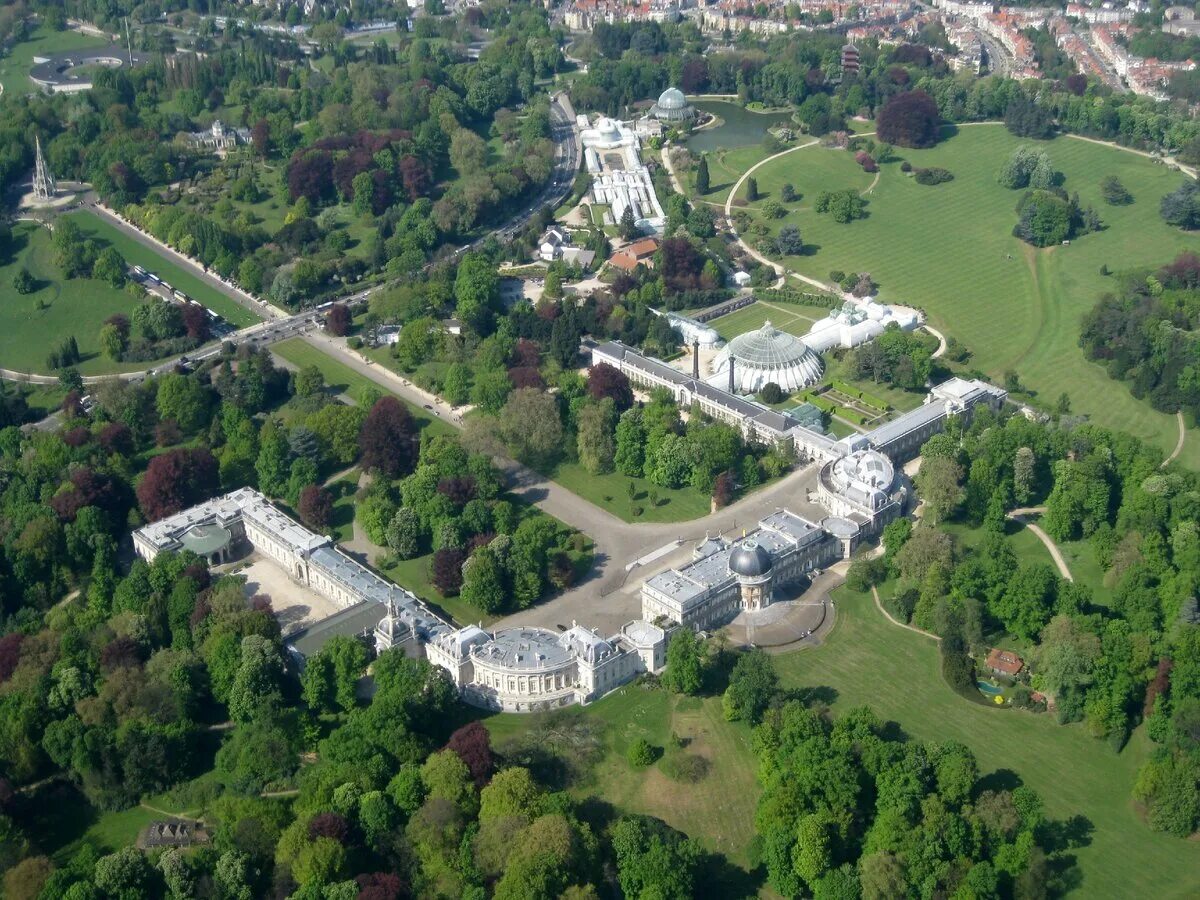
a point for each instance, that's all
(76, 307)
(949, 250)
(137, 253)
(43, 41)
(869, 661)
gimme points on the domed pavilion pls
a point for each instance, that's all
(763, 356)
(672, 106)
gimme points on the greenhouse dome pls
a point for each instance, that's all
(672, 106)
(764, 356)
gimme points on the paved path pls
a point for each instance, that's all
(895, 621)
(1022, 515)
(1188, 170)
(666, 158)
(1179, 443)
(941, 347)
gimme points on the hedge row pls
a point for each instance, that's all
(800, 298)
(861, 395)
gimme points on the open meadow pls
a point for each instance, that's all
(31, 325)
(949, 250)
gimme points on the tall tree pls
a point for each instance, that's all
(389, 439)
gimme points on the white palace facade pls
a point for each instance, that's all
(514, 669)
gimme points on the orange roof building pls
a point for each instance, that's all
(1004, 662)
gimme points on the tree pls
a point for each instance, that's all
(926, 548)
(483, 581)
(1182, 206)
(641, 753)
(404, 534)
(530, 427)
(787, 193)
(627, 227)
(256, 685)
(475, 292)
(176, 480)
(909, 119)
(337, 320)
(315, 507)
(752, 685)
(23, 282)
(939, 485)
(446, 570)
(184, 400)
(596, 440)
(473, 744)
(631, 443)
(126, 873)
(110, 267)
(1114, 192)
(1027, 602)
(684, 673)
(388, 439)
(702, 176)
(788, 242)
(605, 381)
(752, 189)
(309, 381)
(654, 860)
(112, 344)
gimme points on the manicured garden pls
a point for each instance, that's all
(949, 250)
(137, 253)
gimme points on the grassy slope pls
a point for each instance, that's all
(136, 253)
(719, 811)
(896, 672)
(342, 378)
(947, 248)
(14, 67)
(73, 307)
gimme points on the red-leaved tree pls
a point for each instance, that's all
(473, 744)
(337, 321)
(10, 654)
(909, 119)
(176, 480)
(607, 381)
(388, 439)
(381, 885)
(447, 570)
(315, 507)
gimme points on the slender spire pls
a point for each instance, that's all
(43, 180)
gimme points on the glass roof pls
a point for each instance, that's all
(768, 347)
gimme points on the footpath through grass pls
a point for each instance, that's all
(949, 249)
(896, 672)
(137, 253)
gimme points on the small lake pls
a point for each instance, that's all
(739, 127)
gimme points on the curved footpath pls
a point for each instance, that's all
(1022, 515)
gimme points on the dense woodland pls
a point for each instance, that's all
(1112, 664)
(1145, 334)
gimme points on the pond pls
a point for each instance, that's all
(739, 127)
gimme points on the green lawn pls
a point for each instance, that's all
(896, 672)
(611, 492)
(136, 253)
(949, 250)
(76, 307)
(15, 65)
(718, 811)
(794, 319)
(340, 378)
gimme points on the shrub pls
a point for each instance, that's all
(641, 753)
(906, 166)
(933, 175)
(844, 206)
(864, 159)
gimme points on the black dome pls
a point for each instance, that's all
(750, 560)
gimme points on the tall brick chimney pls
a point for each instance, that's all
(731, 388)
(696, 360)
